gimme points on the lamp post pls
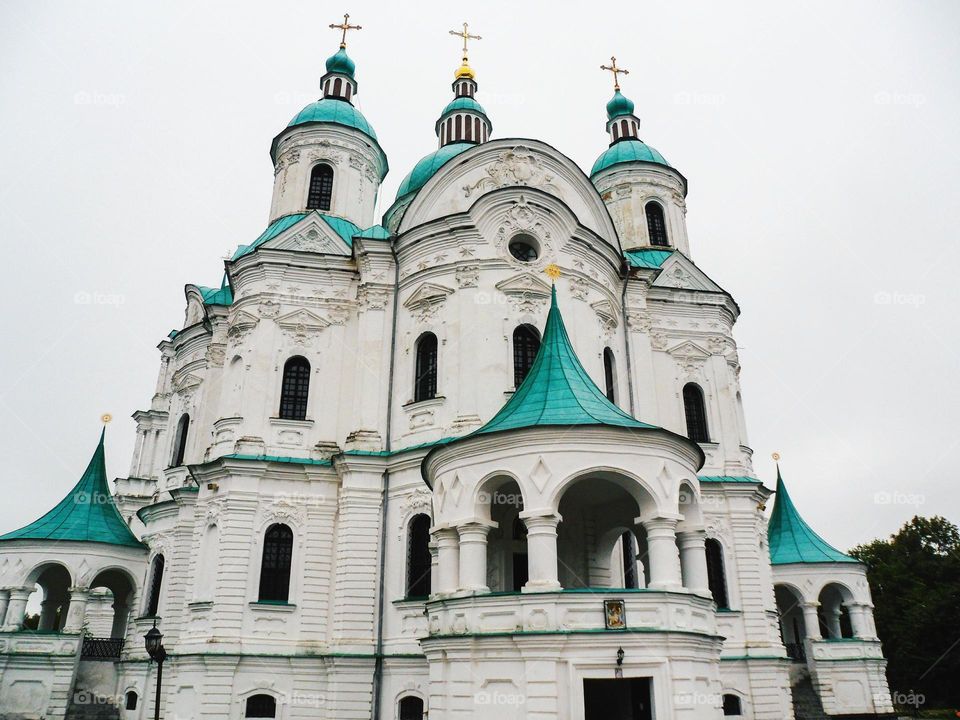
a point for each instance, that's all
(153, 641)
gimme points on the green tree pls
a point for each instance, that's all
(915, 581)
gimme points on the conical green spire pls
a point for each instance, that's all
(557, 390)
(86, 514)
(791, 539)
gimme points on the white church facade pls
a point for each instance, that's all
(483, 457)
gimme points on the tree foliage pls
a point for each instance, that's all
(915, 581)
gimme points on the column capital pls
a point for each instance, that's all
(659, 525)
(443, 534)
(475, 530)
(540, 520)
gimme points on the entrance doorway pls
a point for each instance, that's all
(617, 699)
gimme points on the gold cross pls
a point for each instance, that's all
(466, 36)
(616, 71)
(345, 25)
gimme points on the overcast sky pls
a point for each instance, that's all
(820, 141)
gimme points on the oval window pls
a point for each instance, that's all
(524, 248)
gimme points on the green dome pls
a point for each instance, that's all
(619, 105)
(341, 63)
(334, 111)
(463, 103)
(627, 151)
(428, 166)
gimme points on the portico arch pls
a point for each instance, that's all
(53, 582)
(835, 600)
(123, 588)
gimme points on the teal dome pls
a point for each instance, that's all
(463, 103)
(334, 111)
(341, 63)
(428, 166)
(627, 151)
(619, 105)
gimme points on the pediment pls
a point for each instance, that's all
(427, 294)
(689, 349)
(525, 284)
(243, 320)
(606, 312)
(302, 319)
(186, 382)
(679, 272)
(312, 234)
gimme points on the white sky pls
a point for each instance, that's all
(820, 141)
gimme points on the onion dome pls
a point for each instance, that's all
(428, 166)
(86, 514)
(619, 105)
(341, 63)
(791, 540)
(627, 151)
(463, 120)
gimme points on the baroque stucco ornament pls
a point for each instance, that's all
(517, 166)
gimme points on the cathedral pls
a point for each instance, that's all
(483, 457)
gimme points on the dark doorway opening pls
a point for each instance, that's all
(617, 699)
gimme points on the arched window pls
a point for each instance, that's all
(411, 708)
(156, 581)
(526, 345)
(275, 568)
(731, 705)
(656, 225)
(321, 183)
(425, 381)
(261, 706)
(295, 389)
(180, 441)
(716, 577)
(131, 700)
(418, 557)
(608, 374)
(696, 413)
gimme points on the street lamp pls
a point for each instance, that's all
(153, 641)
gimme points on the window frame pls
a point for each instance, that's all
(262, 577)
(157, 571)
(426, 381)
(321, 191)
(411, 583)
(179, 450)
(663, 224)
(298, 396)
(535, 332)
(701, 409)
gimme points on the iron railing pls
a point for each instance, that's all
(101, 648)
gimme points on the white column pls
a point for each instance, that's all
(434, 567)
(77, 610)
(16, 608)
(693, 561)
(542, 551)
(48, 610)
(473, 557)
(121, 611)
(448, 560)
(663, 553)
(4, 601)
(833, 622)
(810, 621)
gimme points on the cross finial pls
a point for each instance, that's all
(612, 67)
(344, 26)
(465, 34)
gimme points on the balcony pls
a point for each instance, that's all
(845, 649)
(569, 611)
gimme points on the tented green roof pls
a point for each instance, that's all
(557, 390)
(627, 151)
(344, 228)
(222, 295)
(647, 257)
(791, 539)
(86, 514)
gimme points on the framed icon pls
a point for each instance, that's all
(614, 615)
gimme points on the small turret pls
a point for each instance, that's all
(463, 120)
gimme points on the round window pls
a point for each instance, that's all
(524, 248)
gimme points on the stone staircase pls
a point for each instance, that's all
(806, 702)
